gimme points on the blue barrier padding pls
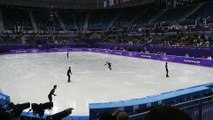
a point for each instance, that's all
(163, 96)
(4, 100)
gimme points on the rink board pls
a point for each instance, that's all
(169, 58)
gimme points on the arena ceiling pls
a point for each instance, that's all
(76, 4)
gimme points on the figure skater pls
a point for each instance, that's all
(167, 71)
(67, 54)
(109, 65)
(69, 72)
(52, 93)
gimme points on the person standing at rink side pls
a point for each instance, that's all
(52, 93)
(167, 71)
(69, 72)
(109, 65)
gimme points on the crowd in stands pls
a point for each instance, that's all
(193, 39)
(180, 39)
(131, 26)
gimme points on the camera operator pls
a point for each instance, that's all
(3, 114)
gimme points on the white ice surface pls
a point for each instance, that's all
(30, 77)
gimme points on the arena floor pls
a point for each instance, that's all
(30, 77)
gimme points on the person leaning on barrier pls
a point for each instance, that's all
(115, 115)
(106, 116)
(123, 116)
(3, 114)
(167, 113)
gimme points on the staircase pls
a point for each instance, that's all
(1, 21)
(193, 10)
(74, 21)
(86, 22)
(35, 27)
(60, 21)
(139, 15)
(157, 16)
(113, 20)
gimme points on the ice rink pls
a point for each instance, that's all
(30, 77)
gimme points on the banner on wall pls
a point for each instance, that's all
(169, 58)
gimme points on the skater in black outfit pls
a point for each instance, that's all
(67, 54)
(167, 71)
(109, 65)
(52, 93)
(69, 72)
